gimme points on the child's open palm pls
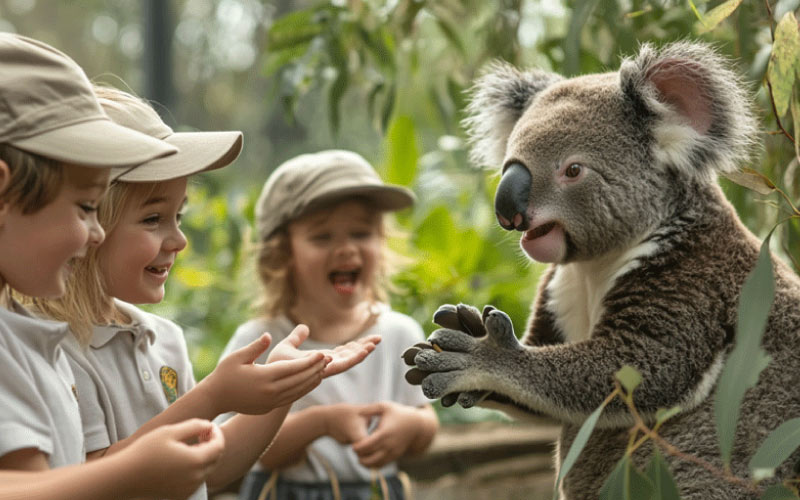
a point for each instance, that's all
(341, 358)
(241, 385)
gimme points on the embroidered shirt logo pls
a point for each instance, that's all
(169, 381)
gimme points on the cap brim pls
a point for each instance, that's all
(382, 197)
(96, 143)
(198, 152)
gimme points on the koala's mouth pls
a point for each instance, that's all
(539, 231)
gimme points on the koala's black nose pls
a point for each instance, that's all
(511, 200)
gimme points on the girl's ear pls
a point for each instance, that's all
(5, 179)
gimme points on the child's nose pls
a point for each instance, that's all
(96, 232)
(176, 242)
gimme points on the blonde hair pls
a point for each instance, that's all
(272, 260)
(35, 180)
(87, 303)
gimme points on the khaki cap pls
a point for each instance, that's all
(198, 151)
(47, 107)
(310, 181)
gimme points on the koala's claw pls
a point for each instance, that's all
(501, 330)
(471, 398)
(410, 353)
(461, 317)
(449, 400)
(415, 376)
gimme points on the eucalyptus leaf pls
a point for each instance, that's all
(753, 180)
(629, 377)
(626, 483)
(662, 415)
(664, 487)
(783, 62)
(778, 492)
(776, 449)
(717, 15)
(403, 151)
(748, 358)
(577, 445)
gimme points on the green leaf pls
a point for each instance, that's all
(660, 476)
(403, 152)
(662, 415)
(717, 15)
(748, 358)
(626, 483)
(778, 492)
(577, 446)
(752, 179)
(292, 29)
(629, 377)
(572, 42)
(775, 449)
(783, 62)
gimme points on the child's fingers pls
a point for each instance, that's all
(191, 430)
(249, 353)
(285, 368)
(378, 458)
(291, 388)
(371, 410)
(345, 358)
(210, 450)
(297, 336)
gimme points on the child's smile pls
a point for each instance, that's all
(335, 254)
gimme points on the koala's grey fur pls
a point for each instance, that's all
(654, 263)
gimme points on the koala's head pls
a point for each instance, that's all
(593, 163)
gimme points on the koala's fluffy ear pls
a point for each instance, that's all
(497, 100)
(703, 116)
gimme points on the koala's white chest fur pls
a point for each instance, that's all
(577, 290)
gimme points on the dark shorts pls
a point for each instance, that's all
(291, 490)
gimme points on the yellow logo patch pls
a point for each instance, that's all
(169, 381)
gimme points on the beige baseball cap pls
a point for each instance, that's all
(47, 107)
(311, 181)
(198, 151)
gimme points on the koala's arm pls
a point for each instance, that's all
(678, 348)
(542, 329)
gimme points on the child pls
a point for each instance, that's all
(319, 221)
(132, 367)
(56, 147)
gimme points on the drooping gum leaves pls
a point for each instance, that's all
(626, 483)
(748, 358)
(664, 487)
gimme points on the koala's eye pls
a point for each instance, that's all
(573, 170)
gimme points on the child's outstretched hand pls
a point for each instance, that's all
(341, 358)
(239, 384)
(172, 461)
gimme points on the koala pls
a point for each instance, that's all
(612, 179)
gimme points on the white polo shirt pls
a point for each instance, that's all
(38, 405)
(127, 375)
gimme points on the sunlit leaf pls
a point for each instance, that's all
(748, 358)
(577, 445)
(664, 487)
(752, 179)
(775, 449)
(783, 62)
(717, 15)
(626, 483)
(401, 141)
(572, 42)
(778, 492)
(629, 377)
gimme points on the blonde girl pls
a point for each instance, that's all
(320, 225)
